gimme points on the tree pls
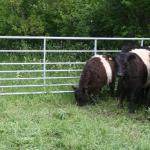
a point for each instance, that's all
(121, 18)
(72, 19)
(25, 18)
(75, 17)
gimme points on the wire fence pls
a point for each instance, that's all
(45, 75)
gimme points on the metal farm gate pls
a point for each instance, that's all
(32, 70)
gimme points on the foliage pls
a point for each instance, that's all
(122, 18)
(26, 18)
(75, 17)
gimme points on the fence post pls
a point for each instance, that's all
(142, 43)
(95, 46)
(44, 61)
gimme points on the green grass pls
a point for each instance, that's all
(54, 122)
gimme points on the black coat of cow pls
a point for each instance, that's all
(133, 68)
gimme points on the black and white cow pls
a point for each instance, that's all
(133, 68)
(97, 72)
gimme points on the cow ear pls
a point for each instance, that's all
(130, 57)
(109, 57)
(113, 58)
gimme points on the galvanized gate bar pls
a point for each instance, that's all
(37, 78)
(49, 63)
(56, 51)
(44, 61)
(95, 47)
(71, 38)
(47, 85)
(32, 71)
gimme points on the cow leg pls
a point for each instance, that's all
(131, 106)
(134, 99)
(147, 98)
(121, 96)
(121, 93)
(93, 94)
(121, 99)
(141, 97)
(112, 89)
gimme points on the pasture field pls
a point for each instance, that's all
(54, 122)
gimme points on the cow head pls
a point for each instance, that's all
(122, 61)
(81, 96)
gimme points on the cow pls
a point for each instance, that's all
(98, 71)
(133, 68)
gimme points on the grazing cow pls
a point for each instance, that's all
(134, 69)
(98, 71)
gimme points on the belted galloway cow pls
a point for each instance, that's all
(98, 71)
(133, 68)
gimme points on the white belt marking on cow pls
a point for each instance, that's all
(145, 56)
(107, 68)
